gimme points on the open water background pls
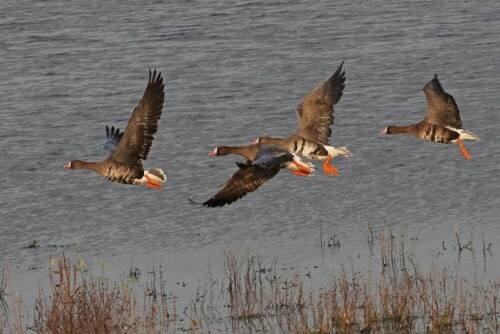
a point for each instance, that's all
(235, 70)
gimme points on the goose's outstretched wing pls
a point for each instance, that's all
(315, 112)
(143, 124)
(245, 180)
(441, 107)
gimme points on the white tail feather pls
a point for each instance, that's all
(338, 151)
(157, 175)
(464, 134)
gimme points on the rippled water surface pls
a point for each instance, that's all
(234, 71)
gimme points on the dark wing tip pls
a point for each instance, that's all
(435, 80)
(340, 72)
(242, 165)
(113, 138)
(113, 135)
(434, 85)
(192, 202)
(336, 84)
(211, 203)
(337, 79)
(154, 77)
(340, 66)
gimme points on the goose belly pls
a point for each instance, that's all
(124, 174)
(309, 149)
(439, 134)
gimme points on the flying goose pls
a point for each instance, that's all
(263, 163)
(315, 115)
(126, 149)
(442, 122)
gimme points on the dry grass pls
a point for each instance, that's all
(81, 303)
(400, 298)
(78, 302)
(257, 295)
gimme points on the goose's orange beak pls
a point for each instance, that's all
(214, 152)
(255, 142)
(68, 165)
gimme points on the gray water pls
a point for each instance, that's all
(234, 71)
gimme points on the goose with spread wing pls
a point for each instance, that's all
(127, 149)
(315, 114)
(262, 164)
(442, 122)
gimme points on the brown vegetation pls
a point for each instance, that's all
(258, 296)
(401, 298)
(80, 303)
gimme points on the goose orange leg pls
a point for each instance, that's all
(153, 184)
(303, 171)
(463, 149)
(327, 168)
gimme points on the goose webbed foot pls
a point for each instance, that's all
(153, 184)
(327, 168)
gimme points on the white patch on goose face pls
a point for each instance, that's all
(214, 152)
